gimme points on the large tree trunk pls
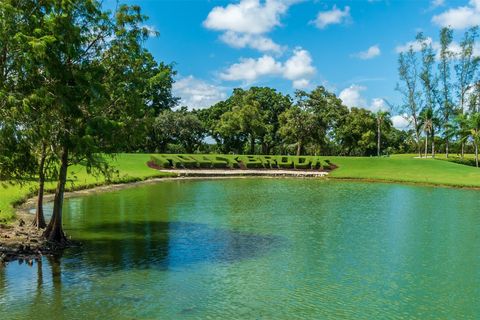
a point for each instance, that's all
(463, 149)
(54, 231)
(39, 220)
(299, 148)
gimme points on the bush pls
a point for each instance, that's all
(284, 162)
(302, 163)
(250, 162)
(160, 162)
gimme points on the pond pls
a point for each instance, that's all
(258, 249)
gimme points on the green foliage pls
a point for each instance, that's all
(169, 161)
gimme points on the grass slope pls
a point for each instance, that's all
(131, 167)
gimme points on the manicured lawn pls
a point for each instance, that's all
(405, 168)
(131, 167)
(397, 168)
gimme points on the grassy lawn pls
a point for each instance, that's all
(397, 168)
(405, 168)
(131, 167)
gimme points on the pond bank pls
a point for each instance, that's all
(21, 241)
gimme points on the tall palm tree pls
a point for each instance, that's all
(461, 131)
(426, 125)
(474, 127)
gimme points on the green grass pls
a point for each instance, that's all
(405, 168)
(131, 167)
(397, 168)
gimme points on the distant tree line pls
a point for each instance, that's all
(261, 120)
(440, 86)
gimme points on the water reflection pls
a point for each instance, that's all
(167, 245)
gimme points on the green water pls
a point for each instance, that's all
(259, 249)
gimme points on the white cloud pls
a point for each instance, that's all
(244, 24)
(334, 16)
(460, 17)
(378, 104)
(251, 69)
(247, 16)
(352, 96)
(254, 41)
(298, 68)
(299, 65)
(400, 122)
(196, 93)
(370, 53)
(301, 83)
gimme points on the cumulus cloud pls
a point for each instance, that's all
(352, 96)
(334, 16)
(400, 122)
(460, 17)
(244, 24)
(298, 68)
(254, 41)
(370, 53)
(379, 104)
(196, 93)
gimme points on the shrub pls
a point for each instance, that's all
(160, 162)
(302, 163)
(202, 161)
(250, 161)
(284, 162)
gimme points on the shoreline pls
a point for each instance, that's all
(20, 241)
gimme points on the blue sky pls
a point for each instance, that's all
(351, 47)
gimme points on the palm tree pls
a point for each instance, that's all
(428, 121)
(426, 125)
(474, 127)
(383, 118)
(461, 130)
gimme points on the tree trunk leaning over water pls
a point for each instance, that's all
(54, 231)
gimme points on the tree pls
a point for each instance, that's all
(408, 73)
(466, 67)
(298, 126)
(178, 127)
(358, 134)
(245, 119)
(69, 50)
(329, 113)
(473, 123)
(427, 125)
(446, 105)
